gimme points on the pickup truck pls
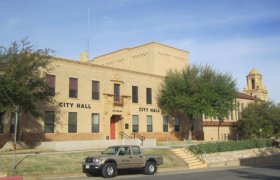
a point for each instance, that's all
(121, 157)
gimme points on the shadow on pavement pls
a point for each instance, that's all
(265, 160)
(122, 173)
(267, 173)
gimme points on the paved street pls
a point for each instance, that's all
(241, 173)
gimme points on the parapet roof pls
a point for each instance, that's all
(147, 44)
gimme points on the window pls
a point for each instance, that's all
(117, 93)
(253, 83)
(124, 151)
(238, 111)
(13, 121)
(149, 123)
(165, 123)
(231, 114)
(51, 84)
(135, 123)
(135, 150)
(1, 122)
(73, 87)
(72, 122)
(177, 124)
(95, 123)
(134, 94)
(95, 90)
(149, 95)
(49, 122)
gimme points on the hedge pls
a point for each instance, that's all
(229, 146)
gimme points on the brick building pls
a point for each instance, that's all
(114, 95)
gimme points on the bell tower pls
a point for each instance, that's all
(255, 86)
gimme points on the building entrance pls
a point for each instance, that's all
(113, 125)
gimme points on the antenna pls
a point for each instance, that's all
(88, 39)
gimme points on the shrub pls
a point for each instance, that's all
(229, 146)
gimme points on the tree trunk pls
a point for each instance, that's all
(190, 127)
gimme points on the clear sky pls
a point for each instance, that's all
(232, 36)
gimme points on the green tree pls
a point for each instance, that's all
(260, 119)
(22, 77)
(195, 91)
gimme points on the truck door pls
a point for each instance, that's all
(138, 159)
(125, 158)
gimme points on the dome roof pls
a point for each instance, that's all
(254, 71)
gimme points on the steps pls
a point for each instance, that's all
(2, 174)
(189, 158)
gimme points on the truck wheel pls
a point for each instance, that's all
(109, 170)
(150, 168)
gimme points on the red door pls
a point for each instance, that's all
(113, 128)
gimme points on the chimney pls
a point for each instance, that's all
(84, 57)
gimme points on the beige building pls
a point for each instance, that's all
(114, 96)
(223, 130)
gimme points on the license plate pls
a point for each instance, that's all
(87, 166)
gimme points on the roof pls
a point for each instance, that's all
(245, 96)
(254, 71)
(126, 49)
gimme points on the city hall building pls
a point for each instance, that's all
(114, 96)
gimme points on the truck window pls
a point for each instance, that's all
(111, 150)
(125, 151)
(136, 150)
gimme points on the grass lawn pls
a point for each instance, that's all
(65, 163)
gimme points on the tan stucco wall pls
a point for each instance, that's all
(85, 73)
(213, 133)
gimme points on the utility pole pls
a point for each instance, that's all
(15, 139)
(15, 130)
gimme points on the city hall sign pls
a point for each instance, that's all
(74, 105)
(143, 109)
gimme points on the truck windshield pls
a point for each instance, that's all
(111, 150)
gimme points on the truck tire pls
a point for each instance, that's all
(150, 168)
(109, 170)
